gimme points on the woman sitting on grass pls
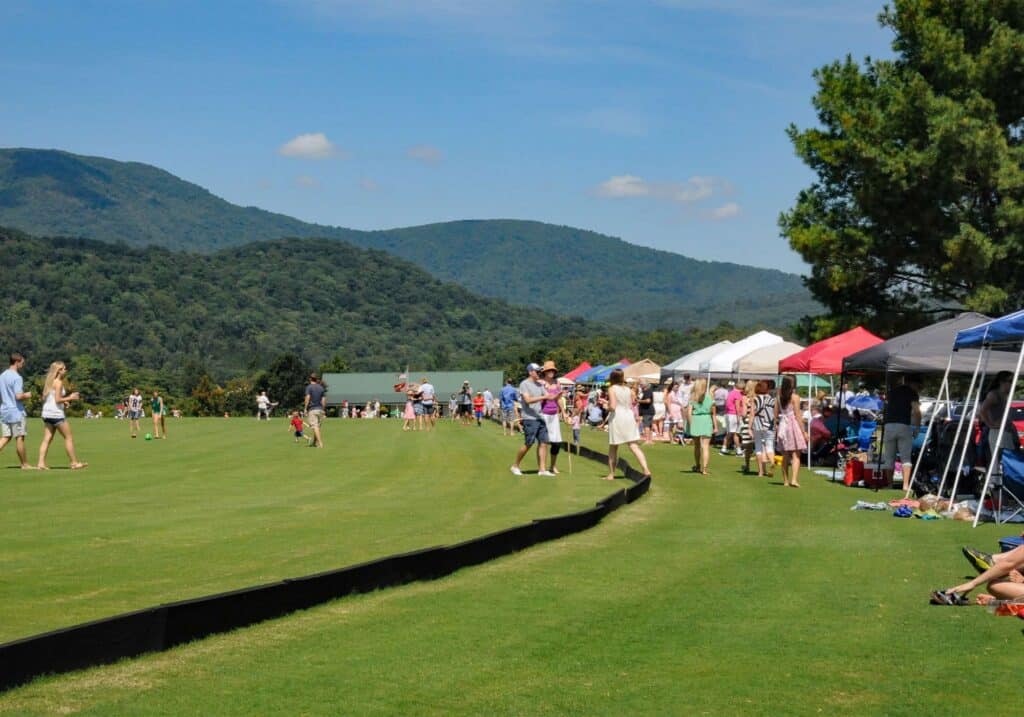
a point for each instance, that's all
(54, 419)
(1003, 575)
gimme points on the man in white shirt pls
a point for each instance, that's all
(427, 401)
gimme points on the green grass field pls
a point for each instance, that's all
(720, 595)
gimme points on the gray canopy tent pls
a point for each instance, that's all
(928, 350)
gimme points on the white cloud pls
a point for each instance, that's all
(425, 153)
(313, 145)
(726, 211)
(307, 182)
(368, 185)
(692, 190)
(625, 185)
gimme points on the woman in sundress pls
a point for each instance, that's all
(791, 437)
(700, 416)
(622, 425)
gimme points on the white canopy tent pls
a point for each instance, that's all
(690, 363)
(720, 365)
(764, 362)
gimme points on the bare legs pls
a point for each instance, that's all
(791, 468)
(613, 459)
(701, 453)
(542, 456)
(69, 445)
(160, 425)
(19, 447)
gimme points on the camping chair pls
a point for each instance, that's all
(1007, 486)
(866, 435)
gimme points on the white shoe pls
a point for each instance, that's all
(545, 473)
(739, 452)
(515, 471)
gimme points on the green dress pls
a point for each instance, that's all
(700, 422)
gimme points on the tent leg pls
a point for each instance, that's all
(997, 453)
(943, 390)
(839, 421)
(981, 369)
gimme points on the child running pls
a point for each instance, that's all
(297, 425)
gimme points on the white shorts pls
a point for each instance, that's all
(18, 429)
(899, 438)
(764, 441)
(732, 423)
(554, 426)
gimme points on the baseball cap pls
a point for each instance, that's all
(532, 367)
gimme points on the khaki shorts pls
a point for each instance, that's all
(18, 429)
(314, 417)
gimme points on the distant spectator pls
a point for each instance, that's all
(508, 397)
(315, 404)
(13, 417)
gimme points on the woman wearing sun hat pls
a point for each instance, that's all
(552, 410)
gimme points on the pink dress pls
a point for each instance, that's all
(675, 409)
(790, 435)
(409, 414)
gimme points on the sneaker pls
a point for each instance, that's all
(723, 453)
(545, 473)
(739, 452)
(979, 561)
(515, 471)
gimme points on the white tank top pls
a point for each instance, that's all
(52, 409)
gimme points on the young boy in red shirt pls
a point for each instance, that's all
(478, 407)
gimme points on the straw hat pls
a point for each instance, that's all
(548, 366)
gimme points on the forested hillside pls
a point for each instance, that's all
(51, 193)
(237, 309)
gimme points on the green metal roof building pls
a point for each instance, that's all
(358, 388)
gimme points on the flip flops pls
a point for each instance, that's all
(940, 597)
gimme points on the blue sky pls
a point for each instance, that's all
(658, 121)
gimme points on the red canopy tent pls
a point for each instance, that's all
(585, 366)
(826, 356)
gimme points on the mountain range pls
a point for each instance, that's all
(56, 193)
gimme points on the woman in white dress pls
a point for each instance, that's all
(622, 426)
(54, 419)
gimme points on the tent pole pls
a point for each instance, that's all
(997, 453)
(810, 416)
(839, 420)
(943, 387)
(976, 395)
(881, 437)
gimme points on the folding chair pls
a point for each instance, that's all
(1007, 486)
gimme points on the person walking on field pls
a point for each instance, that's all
(762, 421)
(622, 425)
(509, 397)
(429, 415)
(531, 392)
(733, 411)
(552, 412)
(315, 405)
(134, 411)
(159, 411)
(54, 401)
(791, 434)
(701, 416)
(12, 410)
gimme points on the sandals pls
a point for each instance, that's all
(940, 597)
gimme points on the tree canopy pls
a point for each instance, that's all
(916, 209)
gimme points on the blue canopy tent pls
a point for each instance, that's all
(1003, 334)
(588, 375)
(602, 375)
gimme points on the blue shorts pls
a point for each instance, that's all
(478, 414)
(535, 431)
(417, 408)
